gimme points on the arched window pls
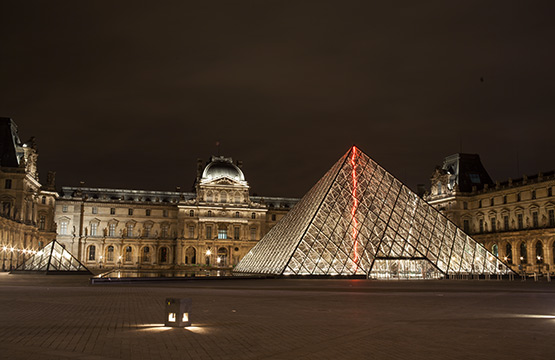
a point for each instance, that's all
(237, 214)
(128, 253)
(163, 255)
(523, 255)
(110, 253)
(222, 257)
(209, 196)
(237, 197)
(253, 216)
(92, 253)
(146, 254)
(495, 250)
(209, 213)
(539, 252)
(509, 253)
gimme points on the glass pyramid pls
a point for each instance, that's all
(360, 220)
(53, 259)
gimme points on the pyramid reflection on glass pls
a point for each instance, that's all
(53, 259)
(360, 220)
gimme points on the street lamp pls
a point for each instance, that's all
(539, 262)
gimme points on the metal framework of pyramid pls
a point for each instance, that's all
(53, 259)
(360, 220)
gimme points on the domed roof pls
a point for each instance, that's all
(221, 167)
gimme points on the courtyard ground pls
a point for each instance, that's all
(64, 317)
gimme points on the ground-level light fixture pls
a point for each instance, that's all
(219, 259)
(177, 312)
(208, 252)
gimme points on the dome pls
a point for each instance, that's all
(220, 167)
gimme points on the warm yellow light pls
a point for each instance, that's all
(219, 259)
(185, 317)
(208, 252)
(171, 317)
(5, 248)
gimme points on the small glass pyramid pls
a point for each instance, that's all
(53, 259)
(360, 220)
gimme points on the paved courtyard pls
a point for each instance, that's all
(63, 317)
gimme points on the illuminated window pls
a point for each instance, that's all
(253, 233)
(112, 229)
(128, 253)
(222, 234)
(163, 254)
(112, 211)
(147, 212)
(236, 232)
(94, 229)
(63, 228)
(92, 252)
(110, 253)
(94, 210)
(209, 232)
(146, 254)
(42, 222)
(535, 221)
(130, 212)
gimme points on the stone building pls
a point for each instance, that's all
(515, 219)
(216, 225)
(26, 207)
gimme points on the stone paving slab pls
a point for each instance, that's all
(63, 317)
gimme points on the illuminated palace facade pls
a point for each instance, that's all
(26, 206)
(214, 226)
(514, 219)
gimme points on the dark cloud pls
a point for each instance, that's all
(129, 94)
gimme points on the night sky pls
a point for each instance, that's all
(128, 94)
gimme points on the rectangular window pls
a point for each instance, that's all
(165, 231)
(481, 226)
(493, 225)
(504, 199)
(42, 222)
(8, 184)
(146, 232)
(236, 232)
(130, 211)
(94, 229)
(549, 192)
(253, 234)
(165, 213)
(466, 226)
(94, 210)
(222, 234)
(551, 218)
(535, 221)
(112, 211)
(112, 230)
(92, 251)
(506, 222)
(191, 231)
(64, 208)
(147, 212)
(63, 228)
(129, 230)
(465, 205)
(209, 232)
(520, 221)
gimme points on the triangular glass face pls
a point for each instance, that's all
(53, 258)
(360, 220)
